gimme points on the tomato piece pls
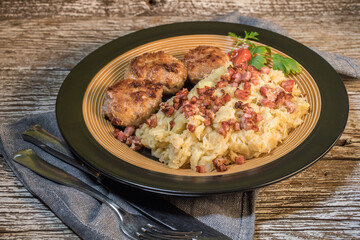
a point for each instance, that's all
(240, 55)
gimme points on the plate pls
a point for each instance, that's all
(78, 111)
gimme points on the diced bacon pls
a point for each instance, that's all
(238, 104)
(237, 76)
(290, 106)
(246, 76)
(200, 169)
(219, 164)
(216, 108)
(134, 143)
(259, 118)
(255, 128)
(241, 94)
(119, 135)
(237, 126)
(210, 114)
(169, 111)
(232, 122)
(226, 98)
(221, 84)
(265, 70)
(280, 99)
(263, 90)
(191, 127)
(207, 121)
(172, 124)
(240, 159)
(206, 103)
(288, 96)
(225, 126)
(234, 84)
(246, 122)
(255, 81)
(267, 103)
(288, 85)
(177, 105)
(218, 102)
(152, 121)
(193, 99)
(221, 131)
(129, 130)
(247, 87)
(183, 93)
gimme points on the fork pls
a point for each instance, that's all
(133, 226)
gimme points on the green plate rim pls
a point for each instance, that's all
(331, 124)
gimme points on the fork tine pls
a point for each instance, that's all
(153, 235)
(172, 232)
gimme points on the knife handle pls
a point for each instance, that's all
(37, 135)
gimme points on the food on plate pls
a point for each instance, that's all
(130, 102)
(239, 108)
(202, 60)
(235, 113)
(159, 67)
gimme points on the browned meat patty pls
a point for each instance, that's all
(158, 67)
(202, 60)
(130, 102)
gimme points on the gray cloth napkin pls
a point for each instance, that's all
(231, 214)
(343, 65)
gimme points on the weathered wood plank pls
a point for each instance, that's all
(40, 42)
(10, 9)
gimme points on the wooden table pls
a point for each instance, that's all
(41, 41)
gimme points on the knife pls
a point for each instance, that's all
(150, 204)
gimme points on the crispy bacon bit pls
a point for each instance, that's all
(219, 164)
(217, 101)
(225, 126)
(267, 103)
(241, 94)
(238, 104)
(240, 159)
(265, 70)
(226, 98)
(210, 114)
(168, 110)
(232, 122)
(237, 126)
(234, 84)
(221, 84)
(221, 131)
(207, 121)
(134, 143)
(129, 130)
(216, 108)
(183, 93)
(152, 121)
(172, 124)
(246, 76)
(191, 127)
(290, 106)
(288, 85)
(249, 119)
(280, 99)
(119, 135)
(193, 100)
(247, 87)
(227, 76)
(237, 76)
(200, 169)
(288, 96)
(268, 92)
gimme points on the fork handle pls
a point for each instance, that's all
(31, 160)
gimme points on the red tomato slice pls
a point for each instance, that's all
(240, 55)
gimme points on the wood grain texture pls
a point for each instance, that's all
(41, 41)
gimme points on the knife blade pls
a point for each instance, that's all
(150, 204)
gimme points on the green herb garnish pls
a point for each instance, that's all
(260, 55)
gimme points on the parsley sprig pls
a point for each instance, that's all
(261, 55)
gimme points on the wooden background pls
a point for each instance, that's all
(41, 41)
